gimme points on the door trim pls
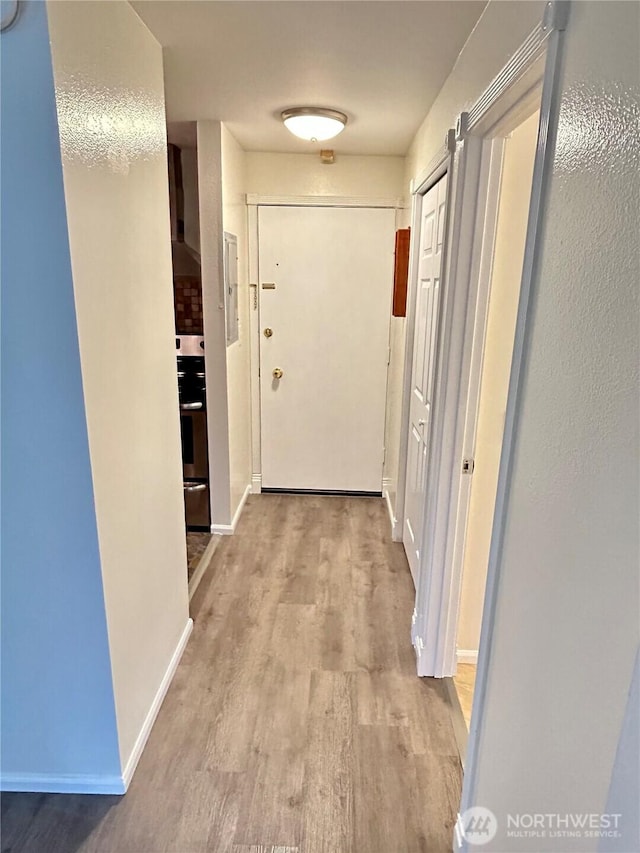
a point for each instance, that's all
(552, 29)
(474, 183)
(254, 202)
(465, 225)
(475, 209)
(254, 339)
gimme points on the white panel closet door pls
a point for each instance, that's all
(431, 236)
(323, 420)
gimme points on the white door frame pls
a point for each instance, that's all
(551, 35)
(474, 165)
(253, 202)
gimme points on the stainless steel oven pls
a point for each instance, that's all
(193, 429)
(195, 461)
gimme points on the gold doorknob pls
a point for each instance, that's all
(268, 332)
(277, 373)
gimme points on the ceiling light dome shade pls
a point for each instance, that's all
(314, 124)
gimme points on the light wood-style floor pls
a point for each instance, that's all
(295, 720)
(465, 682)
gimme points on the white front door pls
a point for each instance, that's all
(427, 295)
(326, 278)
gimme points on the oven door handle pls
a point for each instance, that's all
(196, 487)
(188, 407)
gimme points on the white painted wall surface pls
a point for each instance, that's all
(58, 716)
(234, 220)
(304, 174)
(566, 625)
(513, 212)
(393, 415)
(624, 791)
(211, 247)
(109, 90)
(501, 29)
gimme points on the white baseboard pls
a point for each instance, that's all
(229, 529)
(418, 648)
(256, 484)
(467, 656)
(66, 783)
(390, 509)
(150, 719)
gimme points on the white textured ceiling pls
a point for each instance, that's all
(380, 62)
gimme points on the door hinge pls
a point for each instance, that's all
(468, 465)
(555, 15)
(462, 126)
(450, 140)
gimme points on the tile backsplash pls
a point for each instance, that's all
(187, 290)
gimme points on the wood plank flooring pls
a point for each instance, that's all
(465, 681)
(295, 722)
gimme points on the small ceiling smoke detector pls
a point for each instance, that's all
(314, 123)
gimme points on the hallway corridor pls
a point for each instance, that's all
(295, 720)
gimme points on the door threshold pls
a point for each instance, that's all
(329, 492)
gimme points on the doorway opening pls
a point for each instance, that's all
(321, 315)
(190, 340)
(491, 390)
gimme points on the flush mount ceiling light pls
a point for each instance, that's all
(314, 123)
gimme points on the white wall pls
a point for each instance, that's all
(234, 220)
(221, 184)
(58, 715)
(501, 29)
(624, 791)
(356, 176)
(211, 245)
(304, 174)
(393, 413)
(513, 212)
(110, 97)
(566, 624)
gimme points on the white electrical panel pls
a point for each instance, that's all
(231, 286)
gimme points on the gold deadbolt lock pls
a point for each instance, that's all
(268, 332)
(277, 373)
